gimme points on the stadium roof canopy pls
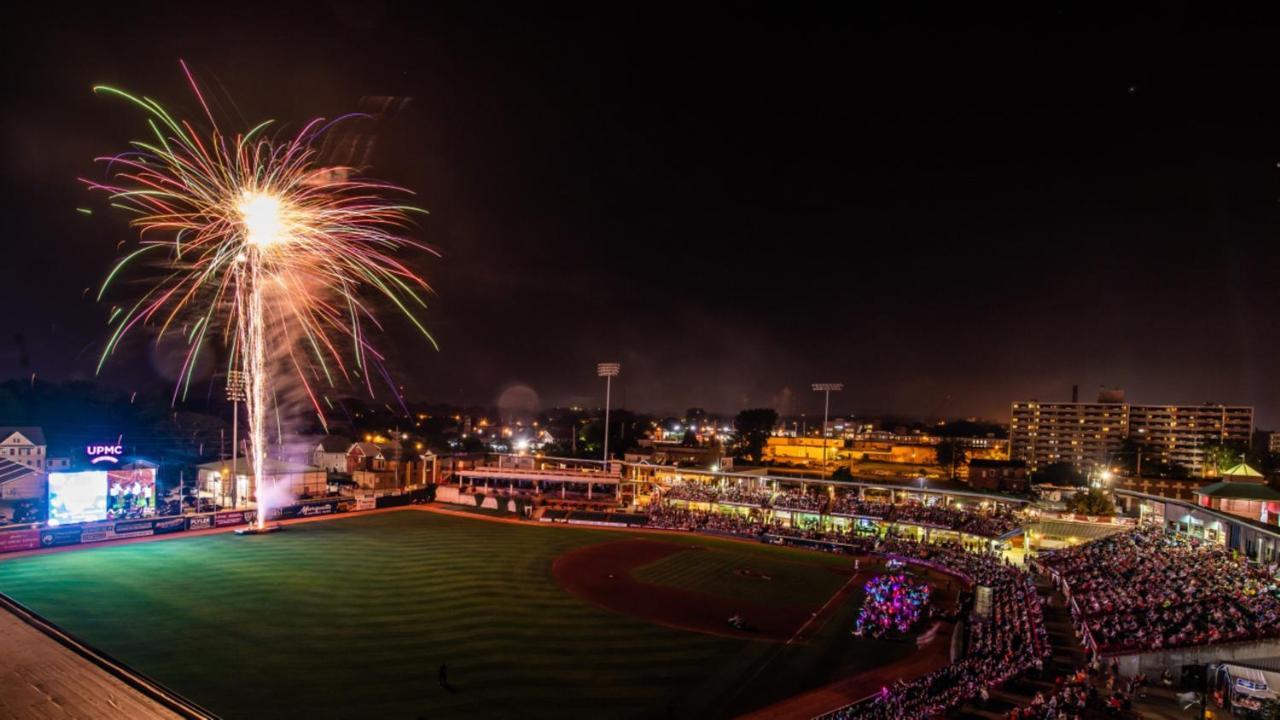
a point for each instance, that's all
(1242, 471)
(10, 470)
(1239, 491)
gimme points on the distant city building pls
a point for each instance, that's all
(704, 456)
(1273, 443)
(908, 453)
(1088, 435)
(362, 455)
(25, 446)
(802, 450)
(330, 454)
(1000, 475)
(1182, 435)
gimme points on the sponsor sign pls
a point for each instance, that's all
(366, 503)
(312, 510)
(199, 522)
(345, 506)
(96, 532)
(104, 453)
(128, 527)
(15, 540)
(61, 536)
(169, 525)
(226, 519)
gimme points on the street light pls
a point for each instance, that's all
(826, 389)
(608, 371)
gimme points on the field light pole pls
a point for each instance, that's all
(235, 393)
(608, 371)
(826, 389)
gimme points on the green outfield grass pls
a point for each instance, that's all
(352, 618)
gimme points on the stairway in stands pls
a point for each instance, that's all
(1067, 656)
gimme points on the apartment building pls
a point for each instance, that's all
(1092, 434)
(1083, 434)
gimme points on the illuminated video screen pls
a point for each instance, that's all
(78, 496)
(131, 493)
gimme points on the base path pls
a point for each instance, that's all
(39, 679)
(601, 575)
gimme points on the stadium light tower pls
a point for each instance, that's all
(236, 394)
(826, 389)
(608, 371)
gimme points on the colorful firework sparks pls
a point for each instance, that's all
(256, 241)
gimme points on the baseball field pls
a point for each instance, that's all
(355, 617)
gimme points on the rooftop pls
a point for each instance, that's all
(1239, 491)
(30, 432)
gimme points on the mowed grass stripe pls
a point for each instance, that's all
(353, 617)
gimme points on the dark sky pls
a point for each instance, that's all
(946, 213)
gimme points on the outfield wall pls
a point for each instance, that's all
(37, 537)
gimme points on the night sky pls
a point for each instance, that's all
(944, 213)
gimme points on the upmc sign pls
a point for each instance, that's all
(104, 453)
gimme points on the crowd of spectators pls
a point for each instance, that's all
(669, 517)
(1011, 641)
(735, 494)
(974, 522)
(1076, 696)
(1145, 590)
(982, 523)
(850, 504)
(799, 500)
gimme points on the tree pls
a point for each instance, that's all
(690, 438)
(1091, 502)
(754, 427)
(1060, 473)
(1223, 456)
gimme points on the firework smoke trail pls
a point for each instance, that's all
(255, 239)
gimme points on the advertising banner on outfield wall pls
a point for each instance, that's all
(200, 522)
(170, 525)
(288, 512)
(134, 528)
(97, 532)
(61, 536)
(15, 540)
(225, 519)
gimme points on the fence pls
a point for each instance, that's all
(34, 537)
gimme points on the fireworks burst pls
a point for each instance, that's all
(255, 241)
